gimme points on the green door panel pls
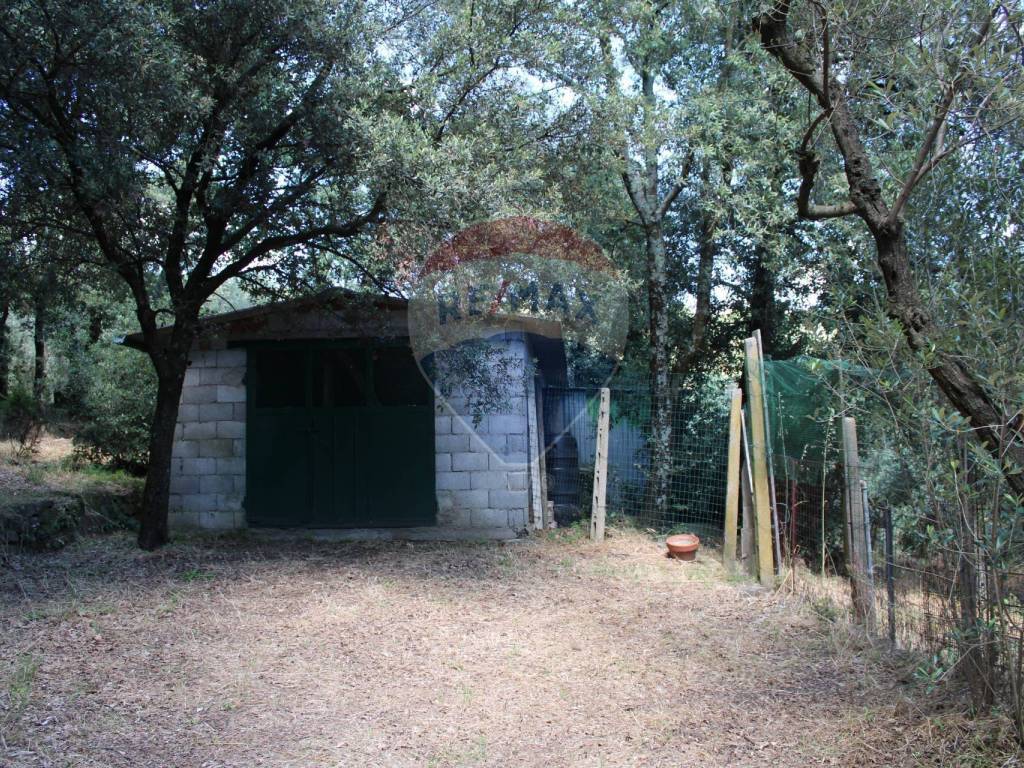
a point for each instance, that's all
(278, 476)
(396, 486)
(333, 440)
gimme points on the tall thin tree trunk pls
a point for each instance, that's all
(39, 332)
(660, 384)
(5, 313)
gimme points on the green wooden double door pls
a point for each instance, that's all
(338, 436)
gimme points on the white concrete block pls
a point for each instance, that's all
(197, 430)
(198, 466)
(232, 429)
(200, 394)
(465, 462)
(451, 443)
(230, 394)
(185, 449)
(216, 412)
(233, 466)
(508, 461)
(505, 424)
(216, 484)
(489, 479)
(453, 481)
(184, 484)
(216, 448)
(188, 412)
(231, 358)
(489, 518)
(508, 499)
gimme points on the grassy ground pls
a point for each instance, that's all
(49, 469)
(546, 652)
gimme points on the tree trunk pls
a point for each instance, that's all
(1001, 436)
(5, 313)
(660, 385)
(156, 494)
(39, 343)
(954, 380)
(763, 312)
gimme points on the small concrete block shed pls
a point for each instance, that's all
(314, 414)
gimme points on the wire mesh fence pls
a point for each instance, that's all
(933, 588)
(943, 547)
(696, 470)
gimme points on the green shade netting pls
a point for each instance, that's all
(801, 398)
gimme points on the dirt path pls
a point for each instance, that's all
(537, 653)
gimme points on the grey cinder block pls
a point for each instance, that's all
(451, 443)
(489, 518)
(232, 429)
(199, 394)
(217, 448)
(230, 394)
(203, 466)
(216, 484)
(464, 462)
(489, 479)
(508, 499)
(453, 481)
(185, 449)
(216, 411)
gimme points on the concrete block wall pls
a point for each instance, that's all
(482, 469)
(208, 460)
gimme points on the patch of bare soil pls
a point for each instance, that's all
(547, 652)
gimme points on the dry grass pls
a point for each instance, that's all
(48, 469)
(548, 652)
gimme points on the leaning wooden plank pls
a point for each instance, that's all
(759, 451)
(597, 512)
(747, 500)
(732, 485)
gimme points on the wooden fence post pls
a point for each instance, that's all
(747, 500)
(759, 450)
(597, 512)
(732, 486)
(747, 528)
(769, 450)
(856, 534)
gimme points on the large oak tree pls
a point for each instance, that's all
(197, 143)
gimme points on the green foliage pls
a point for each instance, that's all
(21, 419)
(119, 401)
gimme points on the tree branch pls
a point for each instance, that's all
(932, 145)
(809, 163)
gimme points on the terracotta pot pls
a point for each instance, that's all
(683, 546)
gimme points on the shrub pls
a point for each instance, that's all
(21, 420)
(119, 400)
